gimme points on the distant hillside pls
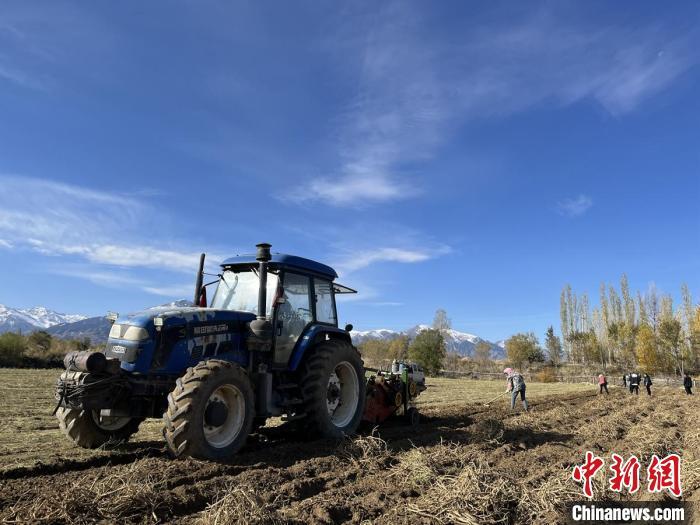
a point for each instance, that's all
(95, 328)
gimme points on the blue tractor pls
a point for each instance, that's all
(268, 344)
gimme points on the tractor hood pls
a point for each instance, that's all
(144, 341)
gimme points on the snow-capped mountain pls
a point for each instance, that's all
(383, 334)
(461, 343)
(64, 326)
(31, 319)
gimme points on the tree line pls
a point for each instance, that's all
(428, 349)
(627, 330)
(36, 350)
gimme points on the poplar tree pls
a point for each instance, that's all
(553, 345)
(647, 356)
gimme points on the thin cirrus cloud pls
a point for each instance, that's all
(416, 88)
(575, 207)
(364, 258)
(119, 279)
(60, 219)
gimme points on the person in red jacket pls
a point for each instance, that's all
(603, 384)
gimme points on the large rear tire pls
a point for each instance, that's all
(210, 412)
(333, 389)
(87, 429)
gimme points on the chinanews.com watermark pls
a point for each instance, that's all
(629, 512)
(662, 475)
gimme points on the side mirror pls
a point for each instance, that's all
(348, 327)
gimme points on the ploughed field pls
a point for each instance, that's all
(465, 463)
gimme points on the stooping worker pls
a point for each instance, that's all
(634, 383)
(647, 383)
(688, 384)
(515, 383)
(603, 384)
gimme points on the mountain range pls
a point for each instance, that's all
(461, 343)
(75, 326)
(32, 319)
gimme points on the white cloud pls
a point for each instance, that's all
(101, 227)
(102, 278)
(359, 259)
(5, 244)
(576, 206)
(363, 259)
(177, 291)
(415, 86)
(353, 189)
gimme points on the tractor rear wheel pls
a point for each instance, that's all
(90, 430)
(333, 389)
(210, 411)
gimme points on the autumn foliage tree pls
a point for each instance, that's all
(524, 347)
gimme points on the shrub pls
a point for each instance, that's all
(546, 375)
(12, 348)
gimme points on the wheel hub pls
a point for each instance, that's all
(333, 393)
(224, 416)
(216, 413)
(342, 395)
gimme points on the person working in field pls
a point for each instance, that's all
(647, 383)
(688, 384)
(634, 383)
(603, 384)
(515, 383)
(624, 380)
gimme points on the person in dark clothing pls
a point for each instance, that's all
(688, 384)
(603, 383)
(634, 383)
(647, 383)
(624, 380)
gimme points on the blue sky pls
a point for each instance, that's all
(474, 157)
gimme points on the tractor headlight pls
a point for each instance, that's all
(128, 332)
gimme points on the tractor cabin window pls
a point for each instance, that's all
(325, 309)
(295, 309)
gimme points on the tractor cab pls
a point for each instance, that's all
(299, 298)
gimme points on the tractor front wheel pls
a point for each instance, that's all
(88, 429)
(333, 388)
(210, 411)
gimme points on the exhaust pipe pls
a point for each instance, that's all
(261, 326)
(263, 256)
(199, 281)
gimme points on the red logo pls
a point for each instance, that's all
(586, 471)
(662, 474)
(624, 474)
(665, 474)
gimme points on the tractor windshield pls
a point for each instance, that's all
(239, 291)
